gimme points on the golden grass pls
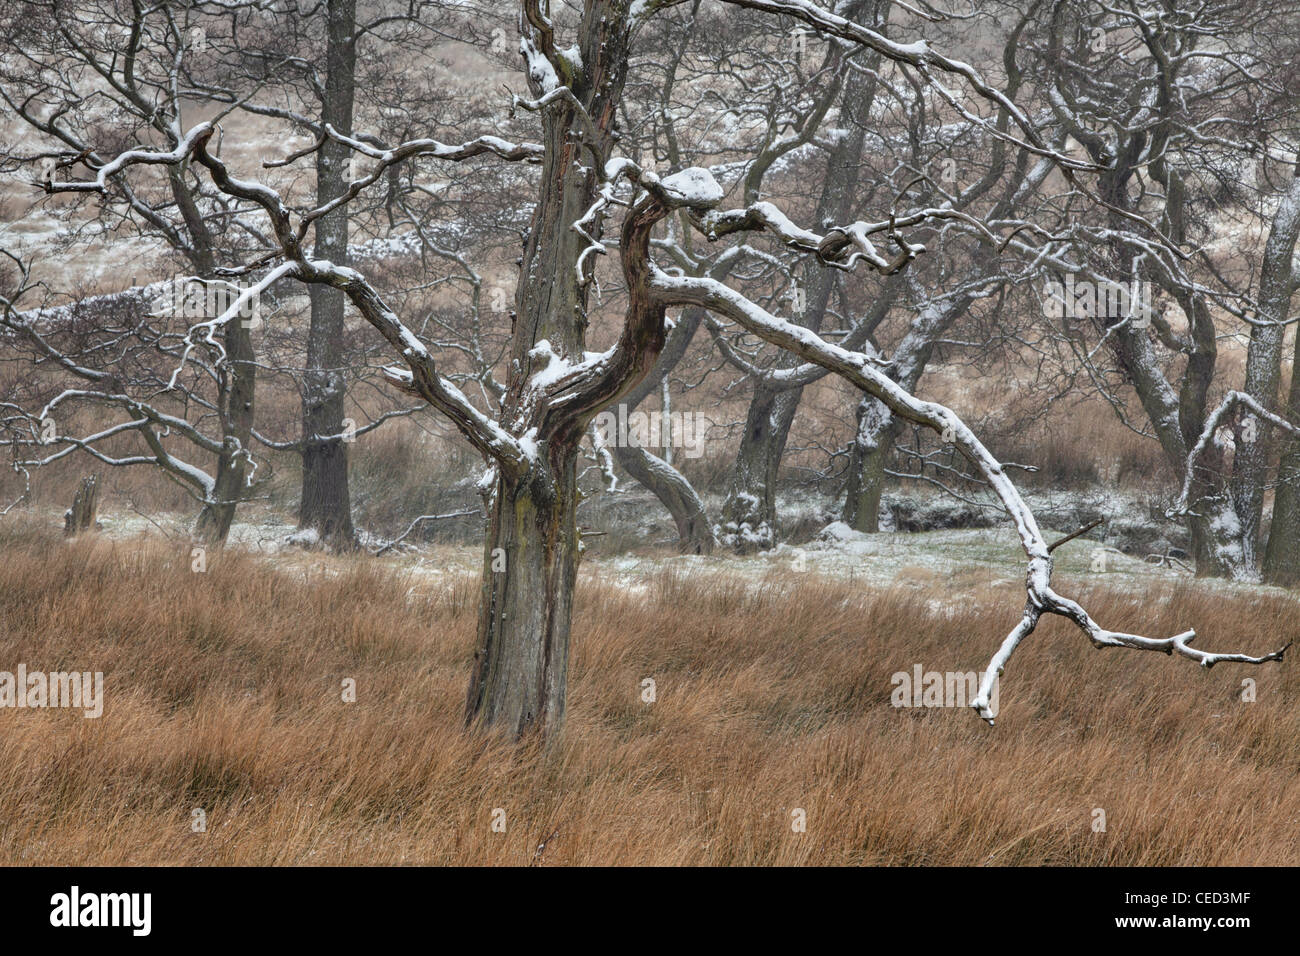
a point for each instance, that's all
(223, 693)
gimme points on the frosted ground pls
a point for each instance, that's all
(961, 559)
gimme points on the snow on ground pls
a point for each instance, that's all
(955, 560)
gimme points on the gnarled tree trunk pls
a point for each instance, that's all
(873, 443)
(675, 493)
(694, 532)
(530, 567)
(531, 560)
(749, 519)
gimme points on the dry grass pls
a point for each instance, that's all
(223, 692)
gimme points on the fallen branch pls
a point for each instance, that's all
(411, 527)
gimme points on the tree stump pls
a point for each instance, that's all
(81, 516)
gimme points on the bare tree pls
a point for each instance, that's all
(1169, 101)
(80, 82)
(554, 386)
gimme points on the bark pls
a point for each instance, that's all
(1177, 418)
(1282, 555)
(670, 486)
(85, 505)
(326, 505)
(694, 532)
(530, 567)
(873, 445)
(521, 662)
(1215, 538)
(1251, 460)
(749, 519)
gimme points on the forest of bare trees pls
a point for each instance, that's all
(366, 280)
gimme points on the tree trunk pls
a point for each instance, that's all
(1217, 543)
(326, 505)
(530, 566)
(85, 505)
(872, 446)
(237, 381)
(878, 428)
(531, 557)
(657, 475)
(1264, 369)
(694, 532)
(238, 388)
(1250, 461)
(1282, 556)
(1177, 415)
(749, 513)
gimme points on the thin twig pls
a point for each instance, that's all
(541, 847)
(1070, 537)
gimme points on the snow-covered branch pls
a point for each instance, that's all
(859, 369)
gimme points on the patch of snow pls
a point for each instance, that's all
(303, 538)
(693, 186)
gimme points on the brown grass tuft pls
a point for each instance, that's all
(223, 693)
